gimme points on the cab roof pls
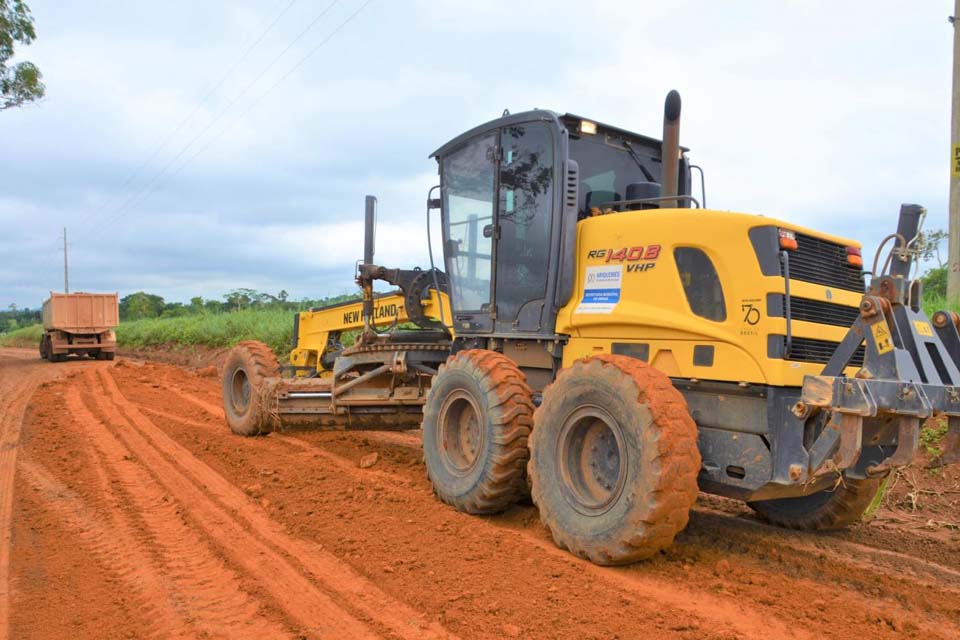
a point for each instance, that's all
(564, 121)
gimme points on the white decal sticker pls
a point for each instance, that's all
(601, 290)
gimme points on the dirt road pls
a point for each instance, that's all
(127, 509)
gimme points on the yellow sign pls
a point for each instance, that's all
(923, 328)
(955, 161)
(881, 336)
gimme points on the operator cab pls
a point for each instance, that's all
(512, 191)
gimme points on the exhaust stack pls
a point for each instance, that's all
(369, 229)
(364, 277)
(670, 151)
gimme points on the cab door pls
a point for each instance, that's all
(468, 193)
(523, 225)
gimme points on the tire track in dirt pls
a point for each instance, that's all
(113, 546)
(311, 608)
(11, 418)
(18, 380)
(202, 491)
(181, 570)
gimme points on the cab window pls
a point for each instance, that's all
(701, 284)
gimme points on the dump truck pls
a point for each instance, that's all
(600, 341)
(80, 324)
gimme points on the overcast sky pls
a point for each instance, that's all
(184, 162)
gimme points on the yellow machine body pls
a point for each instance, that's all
(318, 330)
(653, 311)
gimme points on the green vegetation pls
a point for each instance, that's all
(271, 326)
(932, 435)
(22, 82)
(22, 337)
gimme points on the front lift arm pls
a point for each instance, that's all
(908, 375)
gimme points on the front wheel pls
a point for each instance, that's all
(613, 460)
(829, 509)
(476, 420)
(245, 371)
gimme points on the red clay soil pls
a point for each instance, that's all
(129, 510)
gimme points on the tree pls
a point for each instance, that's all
(935, 282)
(239, 298)
(283, 295)
(19, 83)
(935, 279)
(140, 305)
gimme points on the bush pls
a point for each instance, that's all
(935, 283)
(271, 326)
(23, 337)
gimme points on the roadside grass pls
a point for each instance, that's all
(273, 327)
(933, 303)
(23, 337)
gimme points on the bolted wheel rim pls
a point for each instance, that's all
(460, 434)
(592, 458)
(240, 391)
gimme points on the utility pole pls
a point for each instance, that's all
(953, 235)
(66, 272)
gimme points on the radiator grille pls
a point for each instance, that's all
(837, 315)
(813, 350)
(822, 262)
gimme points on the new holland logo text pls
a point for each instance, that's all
(379, 313)
(643, 257)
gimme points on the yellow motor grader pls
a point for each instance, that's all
(600, 340)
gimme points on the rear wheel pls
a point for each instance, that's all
(613, 460)
(246, 369)
(476, 420)
(835, 508)
(43, 347)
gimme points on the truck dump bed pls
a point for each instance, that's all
(81, 312)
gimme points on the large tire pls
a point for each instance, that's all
(476, 421)
(613, 460)
(43, 347)
(248, 365)
(829, 509)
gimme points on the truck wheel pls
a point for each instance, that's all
(43, 347)
(247, 366)
(110, 355)
(835, 508)
(613, 460)
(476, 420)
